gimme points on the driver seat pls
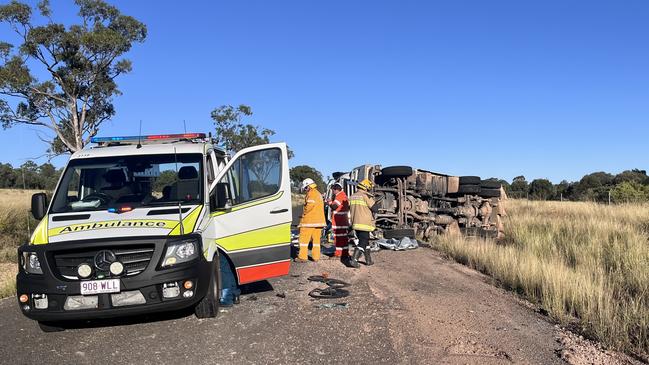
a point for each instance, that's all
(117, 185)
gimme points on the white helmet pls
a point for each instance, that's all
(306, 183)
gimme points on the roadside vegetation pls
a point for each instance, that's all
(586, 264)
(15, 225)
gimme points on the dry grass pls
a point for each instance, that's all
(8, 279)
(586, 264)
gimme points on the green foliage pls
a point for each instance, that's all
(630, 192)
(29, 176)
(80, 63)
(301, 172)
(542, 189)
(519, 187)
(233, 134)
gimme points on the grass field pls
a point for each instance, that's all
(586, 264)
(15, 225)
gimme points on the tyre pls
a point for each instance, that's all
(490, 184)
(397, 171)
(337, 174)
(208, 307)
(470, 180)
(50, 327)
(399, 233)
(469, 189)
(490, 193)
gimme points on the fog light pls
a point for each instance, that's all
(116, 268)
(84, 271)
(23, 298)
(188, 284)
(40, 301)
(170, 290)
(127, 298)
(188, 294)
(170, 261)
(26, 308)
(78, 302)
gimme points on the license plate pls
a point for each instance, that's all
(100, 286)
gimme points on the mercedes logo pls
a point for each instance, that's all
(103, 259)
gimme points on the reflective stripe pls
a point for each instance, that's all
(358, 202)
(363, 227)
(304, 245)
(339, 248)
(340, 234)
(339, 227)
(312, 225)
(337, 202)
(310, 201)
(315, 245)
(341, 213)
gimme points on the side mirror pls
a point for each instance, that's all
(39, 205)
(220, 200)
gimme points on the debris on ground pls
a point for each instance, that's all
(281, 295)
(328, 293)
(394, 244)
(333, 306)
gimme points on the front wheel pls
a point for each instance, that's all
(208, 307)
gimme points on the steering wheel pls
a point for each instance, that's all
(103, 198)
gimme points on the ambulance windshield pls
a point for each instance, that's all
(127, 182)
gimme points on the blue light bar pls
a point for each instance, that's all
(156, 137)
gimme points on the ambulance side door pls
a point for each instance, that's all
(250, 213)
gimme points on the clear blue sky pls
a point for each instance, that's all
(552, 89)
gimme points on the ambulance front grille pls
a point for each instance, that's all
(134, 258)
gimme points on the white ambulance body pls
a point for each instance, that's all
(137, 224)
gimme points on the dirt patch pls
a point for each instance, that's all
(576, 350)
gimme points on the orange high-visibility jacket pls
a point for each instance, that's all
(340, 214)
(313, 214)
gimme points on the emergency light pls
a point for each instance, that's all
(155, 137)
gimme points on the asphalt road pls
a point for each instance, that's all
(410, 307)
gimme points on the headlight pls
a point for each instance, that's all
(179, 252)
(31, 264)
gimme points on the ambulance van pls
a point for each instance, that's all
(136, 225)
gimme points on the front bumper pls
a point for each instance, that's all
(149, 283)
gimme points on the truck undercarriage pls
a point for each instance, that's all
(422, 204)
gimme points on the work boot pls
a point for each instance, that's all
(368, 257)
(353, 261)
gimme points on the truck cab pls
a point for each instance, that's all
(137, 224)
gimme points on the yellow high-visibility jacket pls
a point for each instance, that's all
(360, 205)
(313, 214)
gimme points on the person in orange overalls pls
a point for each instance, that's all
(312, 222)
(339, 220)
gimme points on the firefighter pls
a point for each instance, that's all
(339, 220)
(362, 209)
(312, 222)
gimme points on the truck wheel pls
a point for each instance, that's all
(469, 189)
(50, 327)
(490, 193)
(208, 307)
(470, 180)
(336, 175)
(399, 233)
(397, 171)
(490, 184)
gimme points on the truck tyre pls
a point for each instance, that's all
(470, 180)
(399, 233)
(208, 307)
(50, 327)
(397, 171)
(490, 184)
(490, 193)
(337, 174)
(469, 189)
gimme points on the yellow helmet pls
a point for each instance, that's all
(365, 185)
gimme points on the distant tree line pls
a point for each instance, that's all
(29, 176)
(630, 186)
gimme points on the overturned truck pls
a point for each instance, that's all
(422, 204)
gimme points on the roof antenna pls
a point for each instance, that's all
(180, 208)
(139, 137)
